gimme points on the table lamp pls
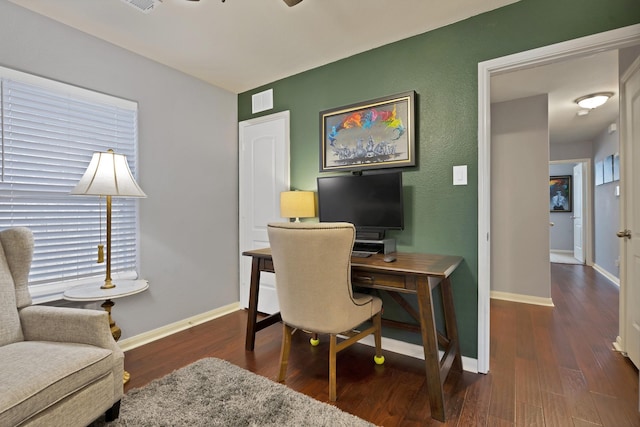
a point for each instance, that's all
(108, 175)
(297, 204)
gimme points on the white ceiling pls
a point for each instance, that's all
(565, 82)
(242, 44)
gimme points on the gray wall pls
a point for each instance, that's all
(607, 208)
(520, 167)
(187, 164)
(561, 234)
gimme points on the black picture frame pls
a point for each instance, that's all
(374, 134)
(560, 193)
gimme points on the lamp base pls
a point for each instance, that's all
(108, 284)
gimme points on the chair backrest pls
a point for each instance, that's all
(16, 254)
(312, 262)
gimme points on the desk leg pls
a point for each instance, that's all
(430, 345)
(451, 323)
(254, 287)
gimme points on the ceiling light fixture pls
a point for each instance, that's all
(594, 100)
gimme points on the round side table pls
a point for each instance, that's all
(93, 292)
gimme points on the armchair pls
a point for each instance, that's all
(58, 366)
(312, 263)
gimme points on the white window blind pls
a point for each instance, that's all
(48, 136)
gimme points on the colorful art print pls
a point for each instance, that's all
(374, 134)
(560, 196)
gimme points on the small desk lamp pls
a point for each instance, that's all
(297, 204)
(108, 175)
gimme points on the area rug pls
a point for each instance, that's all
(214, 392)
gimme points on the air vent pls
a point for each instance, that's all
(144, 6)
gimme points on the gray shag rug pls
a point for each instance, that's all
(214, 392)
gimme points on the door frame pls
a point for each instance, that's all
(614, 39)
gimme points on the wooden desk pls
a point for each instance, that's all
(410, 273)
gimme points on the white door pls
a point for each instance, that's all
(630, 235)
(264, 174)
(578, 235)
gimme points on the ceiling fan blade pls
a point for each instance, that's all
(292, 2)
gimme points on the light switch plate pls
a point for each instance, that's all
(460, 175)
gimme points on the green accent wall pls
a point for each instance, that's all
(442, 67)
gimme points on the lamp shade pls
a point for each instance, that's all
(297, 204)
(108, 174)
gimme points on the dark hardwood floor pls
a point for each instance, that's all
(549, 366)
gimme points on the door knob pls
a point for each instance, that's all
(551, 224)
(624, 234)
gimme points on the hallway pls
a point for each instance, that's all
(560, 361)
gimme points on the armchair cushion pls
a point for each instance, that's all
(36, 375)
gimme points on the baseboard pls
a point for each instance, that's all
(610, 277)
(617, 346)
(415, 351)
(172, 328)
(527, 299)
(388, 344)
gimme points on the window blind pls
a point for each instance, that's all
(48, 137)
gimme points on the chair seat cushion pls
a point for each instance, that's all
(54, 371)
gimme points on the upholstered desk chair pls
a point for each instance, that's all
(312, 262)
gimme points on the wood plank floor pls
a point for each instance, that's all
(549, 366)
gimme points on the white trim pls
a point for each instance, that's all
(388, 344)
(614, 39)
(610, 277)
(416, 351)
(172, 328)
(526, 299)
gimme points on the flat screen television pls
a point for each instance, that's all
(372, 202)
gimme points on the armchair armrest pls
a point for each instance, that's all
(64, 324)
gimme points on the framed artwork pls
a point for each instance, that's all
(374, 134)
(600, 172)
(608, 169)
(616, 167)
(560, 197)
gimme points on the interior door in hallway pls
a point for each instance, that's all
(630, 288)
(578, 232)
(264, 174)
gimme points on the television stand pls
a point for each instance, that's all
(369, 234)
(383, 246)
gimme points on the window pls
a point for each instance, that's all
(48, 133)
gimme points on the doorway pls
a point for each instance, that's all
(570, 233)
(615, 39)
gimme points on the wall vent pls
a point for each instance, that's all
(262, 101)
(144, 6)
